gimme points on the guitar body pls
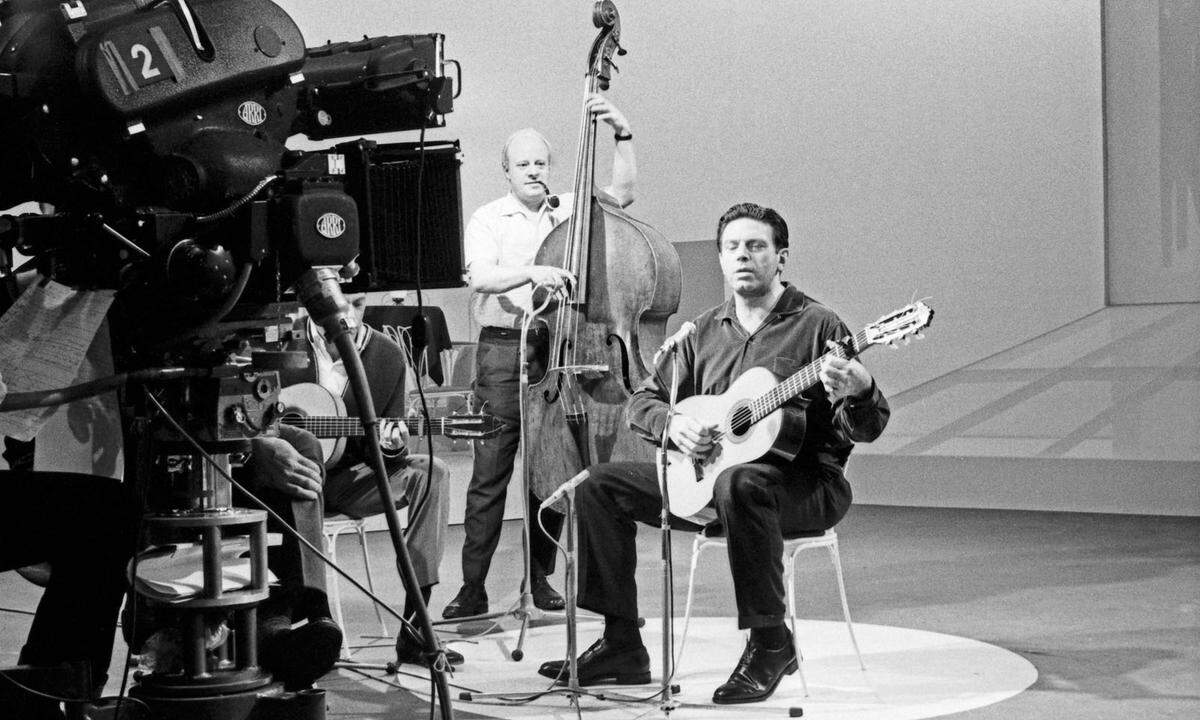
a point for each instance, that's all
(310, 399)
(690, 482)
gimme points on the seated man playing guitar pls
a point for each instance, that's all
(798, 486)
(349, 484)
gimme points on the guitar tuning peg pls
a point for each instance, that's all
(919, 336)
(893, 345)
(907, 340)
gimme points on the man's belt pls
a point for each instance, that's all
(491, 332)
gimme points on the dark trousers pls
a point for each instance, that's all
(756, 503)
(301, 591)
(497, 391)
(293, 564)
(85, 527)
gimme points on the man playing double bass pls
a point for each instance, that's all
(502, 240)
(766, 323)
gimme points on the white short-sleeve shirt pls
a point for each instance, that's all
(506, 233)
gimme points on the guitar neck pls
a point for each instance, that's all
(805, 378)
(334, 426)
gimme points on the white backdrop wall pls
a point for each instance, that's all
(941, 148)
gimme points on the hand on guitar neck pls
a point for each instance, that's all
(843, 378)
(393, 434)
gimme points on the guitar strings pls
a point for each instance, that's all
(769, 401)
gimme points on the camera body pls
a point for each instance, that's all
(157, 133)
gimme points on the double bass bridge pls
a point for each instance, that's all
(584, 370)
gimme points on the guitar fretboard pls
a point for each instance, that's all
(334, 426)
(802, 380)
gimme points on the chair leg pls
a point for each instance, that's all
(362, 542)
(836, 557)
(335, 591)
(789, 579)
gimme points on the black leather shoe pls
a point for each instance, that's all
(410, 649)
(298, 657)
(546, 597)
(471, 600)
(758, 673)
(603, 664)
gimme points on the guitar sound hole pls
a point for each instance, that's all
(739, 422)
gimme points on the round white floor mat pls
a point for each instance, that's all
(909, 674)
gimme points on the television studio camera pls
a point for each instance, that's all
(153, 132)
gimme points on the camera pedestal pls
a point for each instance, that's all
(226, 682)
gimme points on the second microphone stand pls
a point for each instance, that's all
(524, 609)
(668, 702)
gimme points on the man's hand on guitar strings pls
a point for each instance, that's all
(279, 466)
(843, 378)
(692, 437)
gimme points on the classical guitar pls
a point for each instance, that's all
(749, 414)
(312, 407)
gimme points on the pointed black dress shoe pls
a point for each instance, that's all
(603, 664)
(546, 597)
(758, 673)
(471, 600)
(410, 649)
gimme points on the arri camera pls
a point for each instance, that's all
(153, 134)
(156, 130)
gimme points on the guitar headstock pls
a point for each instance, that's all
(903, 324)
(471, 427)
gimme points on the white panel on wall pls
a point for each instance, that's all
(1152, 106)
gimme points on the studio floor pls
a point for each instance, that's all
(1105, 609)
(1042, 615)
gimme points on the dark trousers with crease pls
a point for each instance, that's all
(497, 391)
(301, 591)
(756, 503)
(85, 527)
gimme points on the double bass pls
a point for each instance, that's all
(605, 329)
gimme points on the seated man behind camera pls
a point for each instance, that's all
(349, 486)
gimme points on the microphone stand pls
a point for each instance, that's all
(668, 701)
(573, 686)
(321, 295)
(524, 609)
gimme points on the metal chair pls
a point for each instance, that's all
(335, 525)
(793, 545)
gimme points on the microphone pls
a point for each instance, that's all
(551, 200)
(565, 488)
(672, 343)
